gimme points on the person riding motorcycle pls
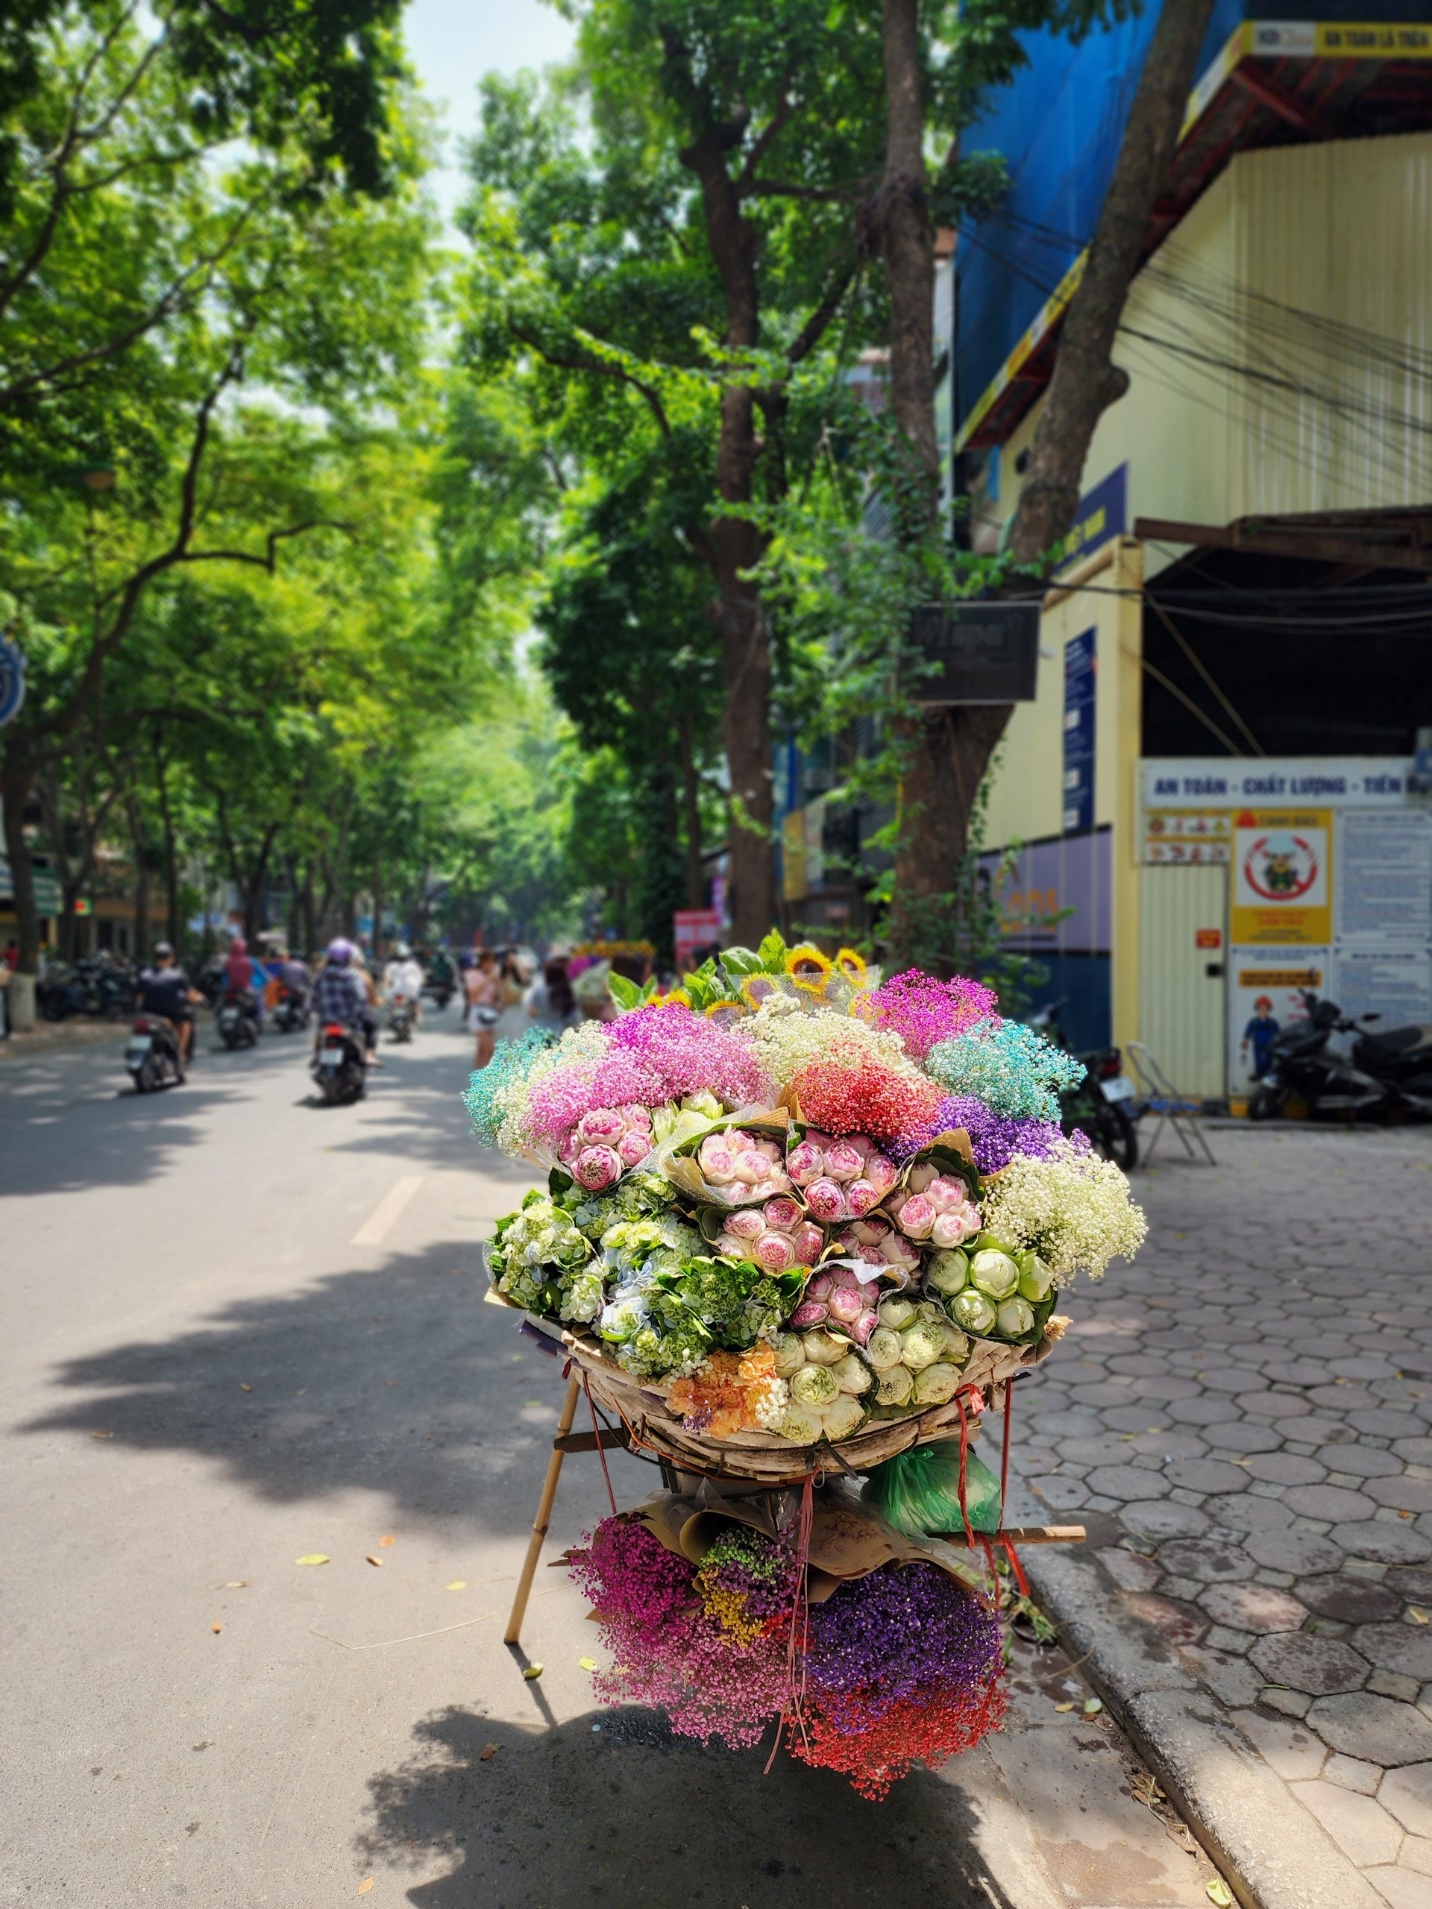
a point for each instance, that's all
(242, 979)
(404, 976)
(164, 992)
(340, 998)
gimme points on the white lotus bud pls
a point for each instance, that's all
(893, 1387)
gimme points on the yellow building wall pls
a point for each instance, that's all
(1277, 344)
(1026, 796)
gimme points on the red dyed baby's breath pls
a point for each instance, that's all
(880, 1749)
(847, 1091)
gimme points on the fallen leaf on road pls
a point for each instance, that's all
(587, 1663)
(101, 1434)
(1218, 1891)
(532, 1673)
(1061, 1708)
(236, 1584)
(488, 1752)
(1092, 1706)
(244, 1388)
(365, 1885)
(383, 1543)
(372, 1560)
(1404, 1514)
(458, 1584)
(1418, 1617)
(312, 1557)
(216, 1628)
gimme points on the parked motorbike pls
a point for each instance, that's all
(1381, 1077)
(339, 1066)
(401, 1018)
(440, 982)
(290, 1011)
(152, 1054)
(238, 1020)
(1102, 1105)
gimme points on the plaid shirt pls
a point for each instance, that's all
(339, 996)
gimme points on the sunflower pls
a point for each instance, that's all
(851, 965)
(809, 969)
(678, 998)
(756, 988)
(726, 1011)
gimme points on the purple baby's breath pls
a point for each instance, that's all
(900, 1633)
(996, 1138)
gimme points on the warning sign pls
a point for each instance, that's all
(1281, 869)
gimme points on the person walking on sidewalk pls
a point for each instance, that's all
(483, 987)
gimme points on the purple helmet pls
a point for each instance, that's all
(340, 952)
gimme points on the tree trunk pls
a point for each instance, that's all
(1085, 383)
(907, 243)
(308, 915)
(140, 950)
(378, 902)
(18, 779)
(171, 866)
(691, 817)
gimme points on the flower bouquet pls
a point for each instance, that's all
(798, 1219)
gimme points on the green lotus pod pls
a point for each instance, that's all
(852, 1374)
(972, 1311)
(790, 1353)
(994, 1273)
(1035, 1277)
(956, 1344)
(814, 1385)
(894, 1386)
(947, 1272)
(801, 1425)
(1016, 1317)
(823, 1348)
(921, 1345)
(883, 1348)
(936, 1385)
(843, 1416)
(896, 1312)
(990, 1243)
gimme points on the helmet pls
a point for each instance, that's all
(163, 951)
(340, 951)
(238, 945)
(401, 951)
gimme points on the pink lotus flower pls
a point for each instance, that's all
(782, 1214)
(916, 1217)
(775, 1252)
(745, 1224)
(727, 1246)
(810, 1312)
(952, 1229)
(601, 1126)
(881, 1172)
(921, 1176)
(805, 1163)
(860, 1329)
(870, 1232)
(862, 1144)
(717, 1160)
(826, 1200)
(636, 1116)
(945, 1193)
(753, 1166)
(842, 1161)
(846, 1303)
(860, 1196)
(819, 1285)
(770, 1148)
(899, 1252)
(597, 1168)
(634, 1147)
(809, 1240)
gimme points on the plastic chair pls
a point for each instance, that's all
(1158, 1095)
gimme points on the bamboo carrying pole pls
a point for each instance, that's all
(544, 1513)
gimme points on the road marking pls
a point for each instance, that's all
(374, 1229)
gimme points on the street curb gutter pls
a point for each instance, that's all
(1274, 1852)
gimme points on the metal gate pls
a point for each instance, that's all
(1182, 988)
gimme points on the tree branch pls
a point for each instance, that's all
(599, 368)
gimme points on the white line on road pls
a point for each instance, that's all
(374, 1229)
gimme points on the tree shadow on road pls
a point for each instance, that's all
(630, 1815)
(396, 1380)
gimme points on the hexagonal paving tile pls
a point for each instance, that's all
(1349, 1600)
(1408, 1794)
(1403, 1494)
(1206, 1474)
(1180, 1623)
(1253, 1607)
(1129, 1569)
(1296, 1551)
(1241, 1435)
(1411, 1581)
(1396, 1647)
(1126, 1482)
(1376, 1729)
(1206, 1560)
(1318, 1665)
(1248, 1513)
(1333, 1503)
(1150, 1518)
(1285, 1468)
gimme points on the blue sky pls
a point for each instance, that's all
(454, 42)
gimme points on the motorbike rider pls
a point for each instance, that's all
(404, 976)
(293, 974)
(240, 976)
(164, 992)
(340, 998)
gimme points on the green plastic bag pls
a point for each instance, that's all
(919, 1491)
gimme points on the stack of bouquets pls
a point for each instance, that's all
(793, 1197)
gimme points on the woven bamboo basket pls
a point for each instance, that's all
(764, 1458)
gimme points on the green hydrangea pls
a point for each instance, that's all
(534, 1249)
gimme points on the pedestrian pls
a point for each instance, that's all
(550, 1001)
(7, 969)
(482, 986)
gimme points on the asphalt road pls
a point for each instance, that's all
(237, 1330)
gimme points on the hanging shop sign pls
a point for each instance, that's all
(983, 652)
(1080, 684)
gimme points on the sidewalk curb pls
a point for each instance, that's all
(1274, 1852)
